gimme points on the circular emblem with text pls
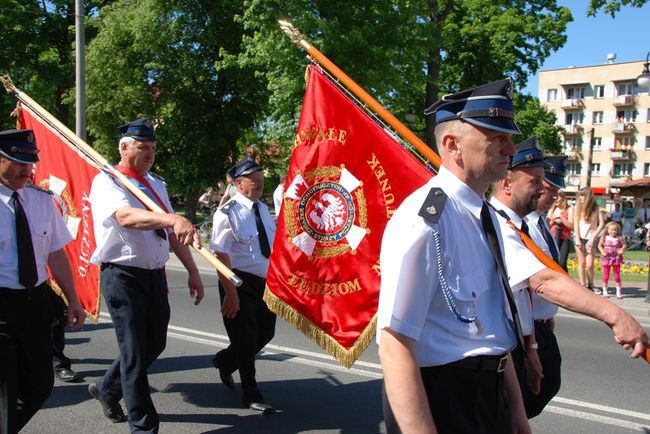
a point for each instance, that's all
(325, 212)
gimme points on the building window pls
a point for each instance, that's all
(599, 91)
(647, 143)
(624, 143)
(575, 93)
(629, 88)
(622, 169)
(626, 115)
(646, 170)
(597, 144)
(573, 144)
(598, 118)
(595, 169)
(551, 95)
(574, 118)
(573, 169)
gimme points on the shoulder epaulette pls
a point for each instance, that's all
(225, 208)
(158, 177)
(38, 187)
(433, 205)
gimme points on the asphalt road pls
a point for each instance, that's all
(603, 391)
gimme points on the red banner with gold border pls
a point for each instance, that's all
(69, 176)
(346, 178)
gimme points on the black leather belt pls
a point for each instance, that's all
(482, 363)
(543, 321)
(105, 265)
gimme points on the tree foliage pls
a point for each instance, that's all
(611, 7)
(535, 120)
(37, 50)
(405, 53)
(158, 58)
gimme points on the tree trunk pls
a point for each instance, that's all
(191, 205)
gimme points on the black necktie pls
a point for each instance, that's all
(261, 232)
(27, 274)
(524, 228)
(493, 243)
(548, 238)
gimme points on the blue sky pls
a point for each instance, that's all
(590, 39)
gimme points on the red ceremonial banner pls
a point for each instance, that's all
(69, 176)
(347, 176)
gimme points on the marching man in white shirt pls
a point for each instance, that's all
(132, 249)
(242, 235)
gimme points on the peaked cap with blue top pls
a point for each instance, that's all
(555, 170)
(488, 106)
(529, 154)
(244, 167)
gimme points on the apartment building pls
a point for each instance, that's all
(606, 121)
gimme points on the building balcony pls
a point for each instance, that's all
(621, 154)
(624, 100)
(572, 130)
(573, 180)
(617, 180)
(622, 128)
(572, 104)
(574, 154)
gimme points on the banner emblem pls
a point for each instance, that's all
(325, 212)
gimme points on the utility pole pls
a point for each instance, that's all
(80, 71)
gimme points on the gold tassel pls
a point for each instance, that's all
(346, 357)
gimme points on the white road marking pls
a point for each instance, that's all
(373, 370)
(592, 417)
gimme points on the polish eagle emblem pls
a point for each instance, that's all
(325, 212)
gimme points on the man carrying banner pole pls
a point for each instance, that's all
(33, 237)
(132, 249)
(447, 319)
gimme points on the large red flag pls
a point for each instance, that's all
(346, 178)
(69, 177)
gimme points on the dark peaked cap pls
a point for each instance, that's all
(19, 146)
(487, 106)
(529, 154)
(244, 167)
(555, 170)
(140, 130)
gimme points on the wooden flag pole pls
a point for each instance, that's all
(299, 39)
(74, 141)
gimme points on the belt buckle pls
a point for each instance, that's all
(503, 362)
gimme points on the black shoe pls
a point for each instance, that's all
(226, 379)
(113, 412)
(67, 375)
(261, 406)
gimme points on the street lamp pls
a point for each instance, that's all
(644, 79)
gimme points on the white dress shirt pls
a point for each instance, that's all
(117, 244)
(411, 301)
(520, 263)
(542, 309)
(49, 232)
(234, 233)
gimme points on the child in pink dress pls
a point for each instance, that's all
(612, 246)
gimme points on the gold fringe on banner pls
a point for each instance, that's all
(346, 357)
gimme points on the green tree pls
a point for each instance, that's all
(37, 50)
(158, 58)
(535, 120)
(405, 53)
(611, 7)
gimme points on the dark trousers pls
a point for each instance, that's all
(462, 401)
(137, 301)
(549, 356)
(26, 378)
(59, 359)
(252, 328)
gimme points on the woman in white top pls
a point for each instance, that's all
(588, 222)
